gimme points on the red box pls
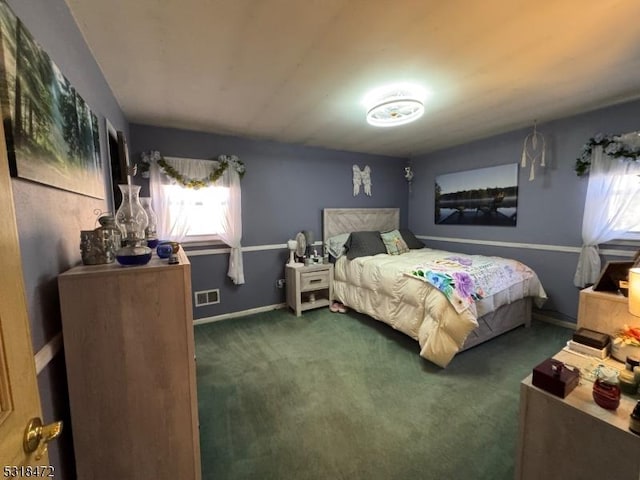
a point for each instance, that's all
(556, 378)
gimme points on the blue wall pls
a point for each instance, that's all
(49, 220)
(283, 192)
(550, 208)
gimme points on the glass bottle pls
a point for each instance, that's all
(150, 232)
(132, 220)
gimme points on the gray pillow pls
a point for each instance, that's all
(363, 244)
(410, 239)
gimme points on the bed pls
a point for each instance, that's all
(389, 288)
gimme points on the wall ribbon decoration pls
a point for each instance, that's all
(531, 151)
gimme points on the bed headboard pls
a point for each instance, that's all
(346, 220)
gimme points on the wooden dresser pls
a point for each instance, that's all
(569, 438)
(129, 351)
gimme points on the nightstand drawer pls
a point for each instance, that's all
(314, 280)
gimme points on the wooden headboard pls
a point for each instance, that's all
(347, 220)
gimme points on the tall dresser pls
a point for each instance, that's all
(129, 351)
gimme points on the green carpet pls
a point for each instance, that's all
(335, 396)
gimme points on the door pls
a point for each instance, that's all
(19, 397)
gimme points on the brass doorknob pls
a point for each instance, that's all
(37, 436)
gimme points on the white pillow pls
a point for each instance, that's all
(335, 245)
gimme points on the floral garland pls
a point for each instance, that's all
(226, 161)
(611, 145)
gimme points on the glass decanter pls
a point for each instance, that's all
(132, 220)
(150, 232)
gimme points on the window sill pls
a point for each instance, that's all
(624, 242)
(203, 243)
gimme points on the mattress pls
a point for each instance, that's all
(381, 286)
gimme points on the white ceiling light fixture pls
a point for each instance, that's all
(395, 105)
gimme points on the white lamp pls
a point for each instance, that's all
(634, 291)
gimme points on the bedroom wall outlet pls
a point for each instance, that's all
(280, 283)
(207, 297)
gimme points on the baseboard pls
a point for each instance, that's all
(241, 313)
(554, 321)
(46, 353)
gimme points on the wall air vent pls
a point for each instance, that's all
(207, 297)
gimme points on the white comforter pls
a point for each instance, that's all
(380, 287)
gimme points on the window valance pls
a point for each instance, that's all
(173, 171)
(622, 146)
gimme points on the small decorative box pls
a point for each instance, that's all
(555, 377)
(591, 338)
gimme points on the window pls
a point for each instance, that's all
(630, 213)
(212, 212)
(198, 213)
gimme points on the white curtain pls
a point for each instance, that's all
(231, 222)
(160, 185)
(614, 186)
(171, 202)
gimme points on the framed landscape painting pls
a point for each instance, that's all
(486, 196)
(51, 133)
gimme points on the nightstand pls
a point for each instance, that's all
(309, 287)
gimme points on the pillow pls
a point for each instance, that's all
(363, 244)
(410, 239)
(394, 243)
(334, 246)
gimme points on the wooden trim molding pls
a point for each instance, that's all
(530, 246)
(493, 243)
(253, 248)
(46, 353)
(241, 313)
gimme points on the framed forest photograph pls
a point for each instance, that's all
(51, 133)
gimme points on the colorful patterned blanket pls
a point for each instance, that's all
(465, 279)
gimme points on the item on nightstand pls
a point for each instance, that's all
(591, 338)
(293, 245)
(631, 362)
(628, 384)
(599, 353)
(634, 420)
(606, 388)
(301, 245)
(621, 349)
(555, 377)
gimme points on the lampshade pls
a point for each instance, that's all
(634, 291)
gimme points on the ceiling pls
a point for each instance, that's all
(296, 71)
